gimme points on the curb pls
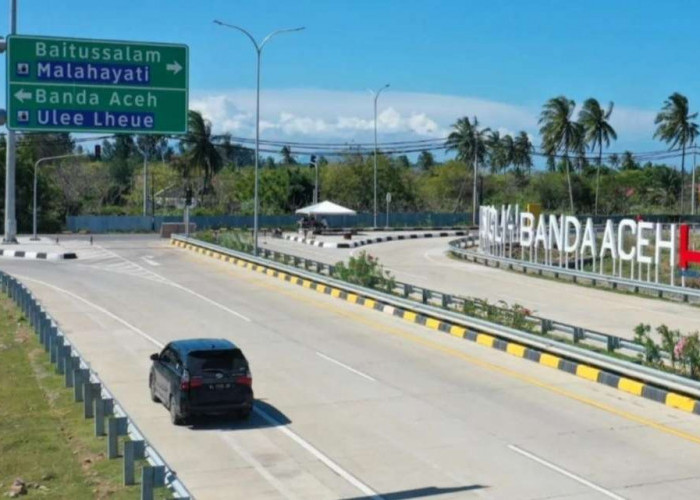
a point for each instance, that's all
(582, 370)
(22, 254)
(369, 241)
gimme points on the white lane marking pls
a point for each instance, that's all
(357, 372)
(566, 473)
(268, 418)
(260, 468)
(95, 306)
(149, 260)
(319, 455)
(181, 287)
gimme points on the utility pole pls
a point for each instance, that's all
(476, 172)
(10, 235)
(376, 96)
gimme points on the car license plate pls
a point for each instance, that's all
(219, 387)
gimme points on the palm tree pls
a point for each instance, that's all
(614, 160)
(497, 155)
(628, 162)
(560, 133)
(287, 157)
(470, 143)
(597, 130)
(522, 152)
(199, 147)
(675, 127)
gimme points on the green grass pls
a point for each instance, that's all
(44, 438)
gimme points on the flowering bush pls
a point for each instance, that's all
(687, 352)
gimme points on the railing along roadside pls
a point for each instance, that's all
(460, 248)
(545, 326)
(98, 403)
(476, 325)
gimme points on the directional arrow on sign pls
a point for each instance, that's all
(174, 67)
(22, 94)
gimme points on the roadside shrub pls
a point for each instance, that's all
(364, 270)
(652, 353)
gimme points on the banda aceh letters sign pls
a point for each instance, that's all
(644, 247)
(82, 85)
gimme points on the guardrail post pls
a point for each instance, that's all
(546, 326)
(53, 343)
(446, 300)
(613, 343)
(71, 364)
(116, 427)
(91, 391)
(151, 477)
(61, 354)
(80, 378)
(578, 334)
(104, 407)
(407, 290)
(425, 296)
(133, 450)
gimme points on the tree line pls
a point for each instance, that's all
(221, 175)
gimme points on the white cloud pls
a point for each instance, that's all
(314, 115)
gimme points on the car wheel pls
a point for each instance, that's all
(152, 387)
(175, 417)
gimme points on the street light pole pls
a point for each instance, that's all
(476, 172)
(36, 166)
(376, 96)
(10, 235)
(258, 49)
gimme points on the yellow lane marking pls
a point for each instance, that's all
(631, 386)
(549, 360)
(587, 372)
(432, 323)
(516, 350)
(454, 353)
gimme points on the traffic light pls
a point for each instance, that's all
(312, 161)
(188, 196)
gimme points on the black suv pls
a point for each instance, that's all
(201, 376)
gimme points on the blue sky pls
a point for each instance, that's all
(499, 60)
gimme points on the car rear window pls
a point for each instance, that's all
(224, 360)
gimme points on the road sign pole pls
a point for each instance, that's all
(10, 235)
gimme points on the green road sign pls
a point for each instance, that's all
(80, 85)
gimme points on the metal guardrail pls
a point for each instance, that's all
(459, 248)
(98, 402)
(544, 326)
(307, 270)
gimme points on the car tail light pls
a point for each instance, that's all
(246, 379)
(187, 383)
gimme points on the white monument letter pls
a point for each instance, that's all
(527, 224)
(571, 221)
(608, 241)
(589, 241)
(643, 241)
(630, 224)
(541, 234)
(556, 232)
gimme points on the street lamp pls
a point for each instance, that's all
(258, 50)
(376, 96)
(36, 166)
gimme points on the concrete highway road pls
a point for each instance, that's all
(352, 403)
(424, 263)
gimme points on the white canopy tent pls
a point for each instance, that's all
(325, 208)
